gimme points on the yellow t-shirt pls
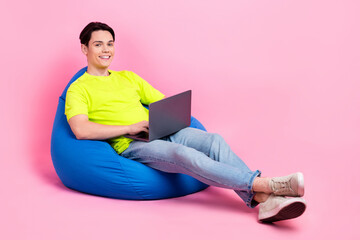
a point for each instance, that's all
(111, 100)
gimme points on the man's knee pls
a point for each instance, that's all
(216, 137)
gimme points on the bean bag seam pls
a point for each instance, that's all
(127, 178)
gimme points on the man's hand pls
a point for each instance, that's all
(136, 128)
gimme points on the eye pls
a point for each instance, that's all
(97, 45)
(110, 44)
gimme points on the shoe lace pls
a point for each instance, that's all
(279, 186)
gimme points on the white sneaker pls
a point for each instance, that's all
(277, 208)
(292, 185)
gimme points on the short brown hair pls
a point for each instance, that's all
(85, 34)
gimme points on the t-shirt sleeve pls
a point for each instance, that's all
(148, 93)
(76, 102)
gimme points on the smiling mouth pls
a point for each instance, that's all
(104, 57)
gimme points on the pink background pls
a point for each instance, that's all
(278, 79)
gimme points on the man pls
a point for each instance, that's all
(105, 105)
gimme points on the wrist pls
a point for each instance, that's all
(128, 129)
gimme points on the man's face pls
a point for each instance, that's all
(100, 50)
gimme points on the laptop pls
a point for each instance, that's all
(166, 117)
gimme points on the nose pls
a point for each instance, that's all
(105, 48)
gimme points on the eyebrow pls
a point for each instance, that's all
(102, 41)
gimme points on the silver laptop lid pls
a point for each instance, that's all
(169, 115)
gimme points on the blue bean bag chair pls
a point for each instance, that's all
(94, 167)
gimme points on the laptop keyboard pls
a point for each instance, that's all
(142, 135)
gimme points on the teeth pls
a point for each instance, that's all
(105, 57)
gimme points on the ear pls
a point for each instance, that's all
(84, 49)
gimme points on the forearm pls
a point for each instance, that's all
(85, 129)
(96, 131)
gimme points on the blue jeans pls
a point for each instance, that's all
(202, 155)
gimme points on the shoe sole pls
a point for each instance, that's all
(288, 210)
(300, 178)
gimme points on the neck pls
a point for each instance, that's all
(98, 72)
